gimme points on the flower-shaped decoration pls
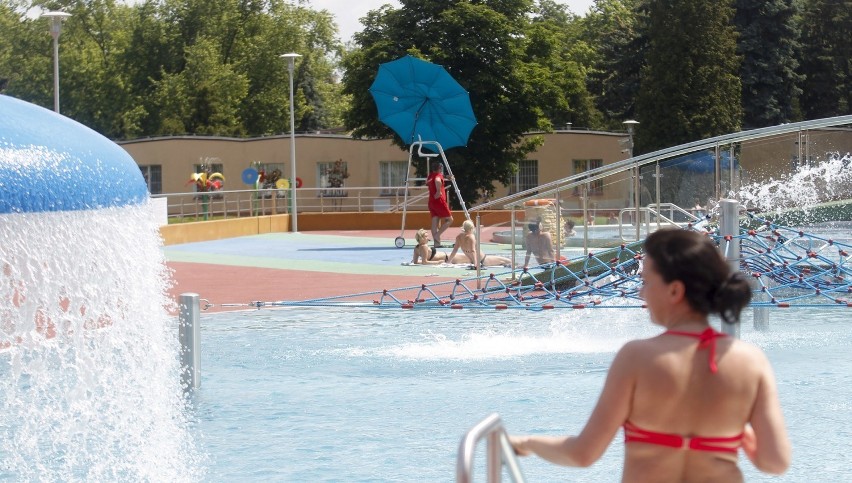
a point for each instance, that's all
(336, 174)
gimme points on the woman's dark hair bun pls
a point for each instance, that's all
(693, 258)
(732, 295)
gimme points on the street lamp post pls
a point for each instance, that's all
(291, 58)
(631, 125)
(56, 19)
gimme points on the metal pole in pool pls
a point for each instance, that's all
(189, 329)
(729, 224)
(512, 240)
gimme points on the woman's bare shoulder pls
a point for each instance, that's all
(637, 349)
(648, 343)
(747, 351)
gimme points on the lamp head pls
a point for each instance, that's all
(56, 18)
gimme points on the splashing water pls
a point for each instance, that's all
(807, 186)
(89, 370)
(566, 333)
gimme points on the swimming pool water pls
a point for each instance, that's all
(337, 394)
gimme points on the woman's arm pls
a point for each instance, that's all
(549, 246)
(765, 442)
(440, 257)
(456, 246)
(611, 411)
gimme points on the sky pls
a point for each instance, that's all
(347, 12)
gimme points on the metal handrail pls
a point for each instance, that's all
(553, 187)
(267, 201)
(409, 202)
(499, 452)
(671, 207)
(654, 210)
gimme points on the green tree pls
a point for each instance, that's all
(177, 66)
(826, 58)
(290, 28)
(95, 90)
(204, 97)
(614, 27)
(26, 55)
(151, 53)
(690, 84)
(769, 45)
(560, 58)
(486, 47)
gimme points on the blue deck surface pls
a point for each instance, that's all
(315, 252)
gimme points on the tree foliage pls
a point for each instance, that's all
(615, 27)
(826, 58)
(690, 86)
(178, 66)
(563, 58)
(687, 69)
(26, 65)
(513, 57)
(768, 44)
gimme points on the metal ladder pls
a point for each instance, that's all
(498, 452)
(399, 242)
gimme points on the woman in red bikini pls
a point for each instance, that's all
(690, 397)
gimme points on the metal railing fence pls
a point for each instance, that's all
(262, 202)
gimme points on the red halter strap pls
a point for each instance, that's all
(706, 340)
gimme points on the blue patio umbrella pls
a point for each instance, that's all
(421, 101)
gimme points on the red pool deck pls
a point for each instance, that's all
(232, 273)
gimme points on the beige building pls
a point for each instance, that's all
(376, 168)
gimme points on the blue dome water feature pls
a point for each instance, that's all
(52, 163)
(90, 384)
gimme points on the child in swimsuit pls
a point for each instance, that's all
(689, 398)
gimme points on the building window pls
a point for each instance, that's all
(331, 178)
(392, 175)
(526, 178)
(583, 165)
(153, 175)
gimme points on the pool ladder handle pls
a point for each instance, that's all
(499, 452)
(651, 211)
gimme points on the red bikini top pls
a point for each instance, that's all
(633, 433)
(706, 340)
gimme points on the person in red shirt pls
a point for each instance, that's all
(442, 217)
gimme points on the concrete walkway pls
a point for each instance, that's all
(306, 265)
